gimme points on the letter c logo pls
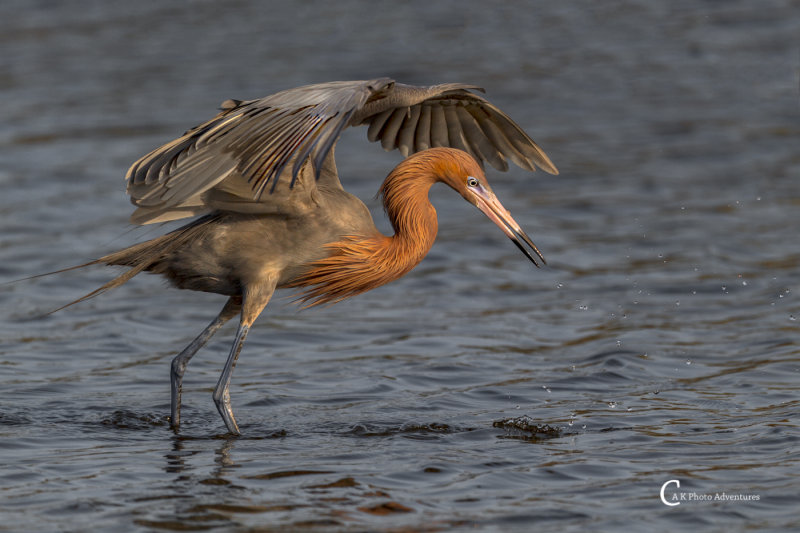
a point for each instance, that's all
(664, 487)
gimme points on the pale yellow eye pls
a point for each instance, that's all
(472, 182)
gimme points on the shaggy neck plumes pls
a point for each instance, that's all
(360, 263)
(413, 218)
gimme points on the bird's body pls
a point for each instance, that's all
(272, 213)
(211, 261)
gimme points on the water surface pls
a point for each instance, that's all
(477, 393)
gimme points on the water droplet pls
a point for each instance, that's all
(744, 282)
(694, 291)
(619, 343)
(688, 362)
(677, 303)
(792, 318)
(517, 407)
(559, 285)
(583, 307)
(612, 405)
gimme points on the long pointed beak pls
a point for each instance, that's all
(492, 208)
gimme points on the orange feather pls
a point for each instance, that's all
(359, 263)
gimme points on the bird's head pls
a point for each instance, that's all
(460, 171)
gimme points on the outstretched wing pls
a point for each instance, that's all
(253, 156)
(412, 119)
(230, 161)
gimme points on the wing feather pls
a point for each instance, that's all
(376, 125)
(328, 139)
(451, 115)
(479, 142)
(455, 134)
(251, 155)
(498, 138)
(520, 140)
(405, 138)
(392, 127)
(422, 136)
(438, 128)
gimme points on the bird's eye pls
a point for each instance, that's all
(472, 182)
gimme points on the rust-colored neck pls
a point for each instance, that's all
(359, 263)
(413, 218)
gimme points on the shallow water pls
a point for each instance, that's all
(477, 393)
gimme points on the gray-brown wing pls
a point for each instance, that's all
(230, 161)
(412, 119)
(253, 156)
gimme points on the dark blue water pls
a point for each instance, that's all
(662, 342)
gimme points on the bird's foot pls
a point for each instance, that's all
(223, 404)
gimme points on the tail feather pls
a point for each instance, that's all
(76, 267)
(113, 284)
(140, 257)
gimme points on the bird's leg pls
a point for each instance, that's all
(254, 300)
(179, 363)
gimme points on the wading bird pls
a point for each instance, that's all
(261, 178)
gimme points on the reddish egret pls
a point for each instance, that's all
(272, 214)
